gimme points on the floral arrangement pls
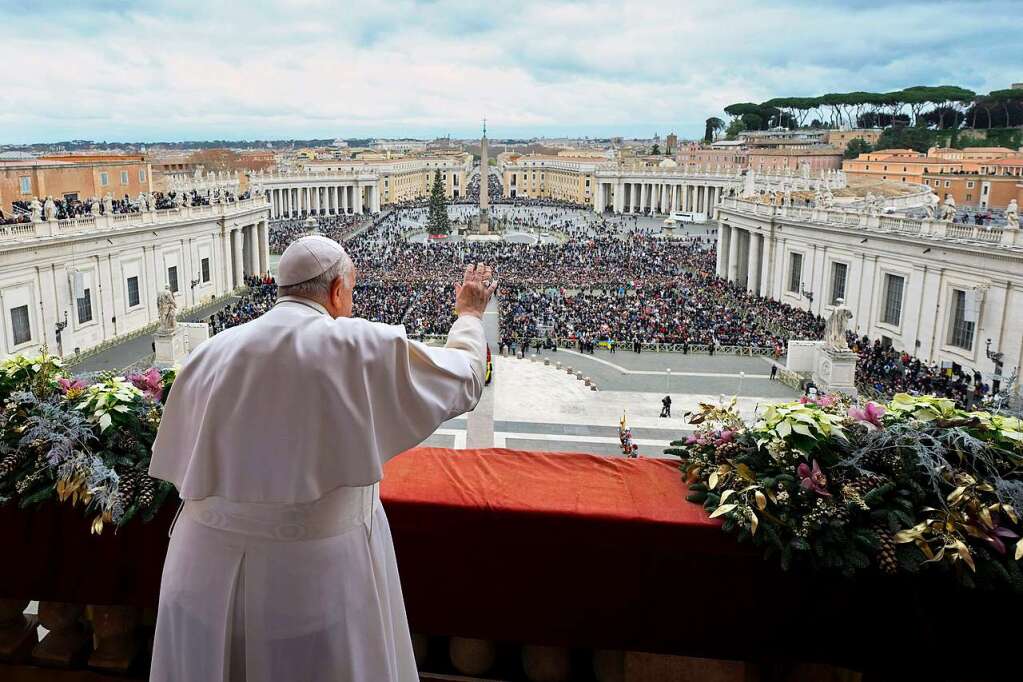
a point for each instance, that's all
(78, 442)
(909, 486)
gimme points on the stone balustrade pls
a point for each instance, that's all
(926, 228)
(45, 229)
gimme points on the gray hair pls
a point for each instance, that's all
(318, 288)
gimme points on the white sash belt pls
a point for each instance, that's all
(334, 513)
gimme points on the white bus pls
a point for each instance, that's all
(678, 217)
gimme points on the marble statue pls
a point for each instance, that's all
(879, 204)
(37, 210)
(179, 200)
(834, 329)
(143, 206)
(108, 204)
(94, 206)
(949, 211)
(1012, 215)
(50, 209)
(804, 169)
(167, 308)
(870, 203)
(188, 199)
(931, 205)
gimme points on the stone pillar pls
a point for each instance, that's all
(733, 255)
(18, 632)
(333, 200)
(316, 200)
(357, 199)
(237, 259)
(724, 232)
(254, 268)
(753, 267)
(264, 247)
(67, 643)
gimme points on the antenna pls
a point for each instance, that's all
(484, 126)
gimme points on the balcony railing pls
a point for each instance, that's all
(119, 221)
(568, 561)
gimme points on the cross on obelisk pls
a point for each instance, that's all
(484, 182)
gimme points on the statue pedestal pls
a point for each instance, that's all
(834, 371)
(170, 347)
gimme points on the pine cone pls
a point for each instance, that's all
(726, 450)
(856, 489)
(146, 490)
(886, 560)
(127, 487)
(8, 464)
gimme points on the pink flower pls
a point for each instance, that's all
(813, 479)
(149, 382)
(65, 385)
(870, 414)
(827, 400)
(726, 436)
(692, 440)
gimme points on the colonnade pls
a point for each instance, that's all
(741, 257)
(246, 252)
(656, 197)
(329, 199)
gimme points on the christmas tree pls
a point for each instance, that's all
(437, 222)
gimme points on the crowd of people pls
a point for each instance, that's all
(605, 282)
(883, 371)
(259, 298)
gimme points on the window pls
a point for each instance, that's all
(104, 179)
(172, 278)
(948, 183)
(84, 307)
(124, 177)
(142, 174)
(969, 184)
(892, 313)
(960, 330)
(133, 292)
(205, 264)
(20, 325)
(838, 275)
(969, 197)
(795, 272)
(26, 184)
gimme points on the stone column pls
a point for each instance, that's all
(357, 192)
(264, 247)
(254, 268)
(753, 266)
(237, 260)
(724, 232)
(333, 200)
(733, 255)
(344, 198)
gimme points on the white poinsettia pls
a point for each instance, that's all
(107, 397)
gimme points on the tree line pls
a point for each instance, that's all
(942, 107)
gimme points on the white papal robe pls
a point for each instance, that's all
(280, 564)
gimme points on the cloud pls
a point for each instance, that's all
(184, 69)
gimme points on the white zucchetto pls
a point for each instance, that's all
(307, 258)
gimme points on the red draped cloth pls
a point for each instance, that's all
(566, 549)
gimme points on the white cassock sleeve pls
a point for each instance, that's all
(428, 385)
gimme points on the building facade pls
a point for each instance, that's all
(74, 177)
(74, 284)
(985, 177)
(938, 290)
(659, 189)
(333, 187)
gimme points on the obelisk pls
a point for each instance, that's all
(484, 183)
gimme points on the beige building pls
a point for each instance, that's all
(331, 187)
(842, 138)
(73, 177)
(539, 176)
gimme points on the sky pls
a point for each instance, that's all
(149, 70)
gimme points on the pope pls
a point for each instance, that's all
(280, 564)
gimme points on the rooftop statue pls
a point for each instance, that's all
(37, 210)
(1012, 215)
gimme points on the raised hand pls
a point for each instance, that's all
(475, 290)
